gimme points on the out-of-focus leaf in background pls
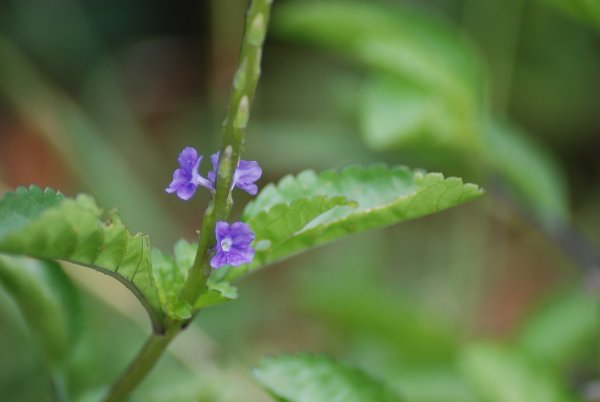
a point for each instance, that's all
(96, 163)
(50, 305)
(587, 11)
(531, 172)
(313, 378)
(437, 66)
(562, 331)
(428, 88)
(501, 375)
(49, 302)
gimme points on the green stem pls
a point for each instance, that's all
(141, 365)
(234, 128)
(244, 86)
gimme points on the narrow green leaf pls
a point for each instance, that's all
(305, 378)
(498, 374)
(529, 169)
(311, 209)
(49, 303)
(46, 225)
(425, 52)
(561, 332)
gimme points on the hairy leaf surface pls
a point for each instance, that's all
(305, 378)
(311, 209)
(44, 224)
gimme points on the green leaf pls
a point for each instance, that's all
(586, 11)
(532, 173)
(311, 209)
(170, 278)
(438, 68)
(561, 332)
(46, 225)
(219, 292)
(48, 302)
(307, 378)
(396, 113)
(498, 374)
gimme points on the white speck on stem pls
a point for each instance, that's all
(243, 113)
(257, 32)
(239, 80)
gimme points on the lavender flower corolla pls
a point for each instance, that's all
(233, 244)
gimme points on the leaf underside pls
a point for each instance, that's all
(45, 224)
(310, 209)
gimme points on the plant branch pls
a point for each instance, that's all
(234, 128)
(141, 365)
(244, 85)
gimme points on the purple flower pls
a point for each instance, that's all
(233, 244)
(245, 175)
(186, 179)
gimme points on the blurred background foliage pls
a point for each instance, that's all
(493, 301)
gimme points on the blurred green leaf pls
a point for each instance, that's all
(587, 11)
(80, 143)
(305, 378)
(45, 224)
(380, 197)
(532, 173)
(361, 305)
(395, 112)
(427, 53)
(49, 303)
(498, 374)
(562, 331)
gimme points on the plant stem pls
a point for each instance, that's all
(141, 365)
(234, 128)
(244, 86)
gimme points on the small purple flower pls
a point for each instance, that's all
(233, 244)
(186, 179)
(245, 175)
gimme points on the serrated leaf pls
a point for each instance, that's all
(498, 374)
(48, 302)
(425, 52)
(219, 292)
(170, 278)
(366, 198)
(562, 331)
(46, 225)
(305, 378)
